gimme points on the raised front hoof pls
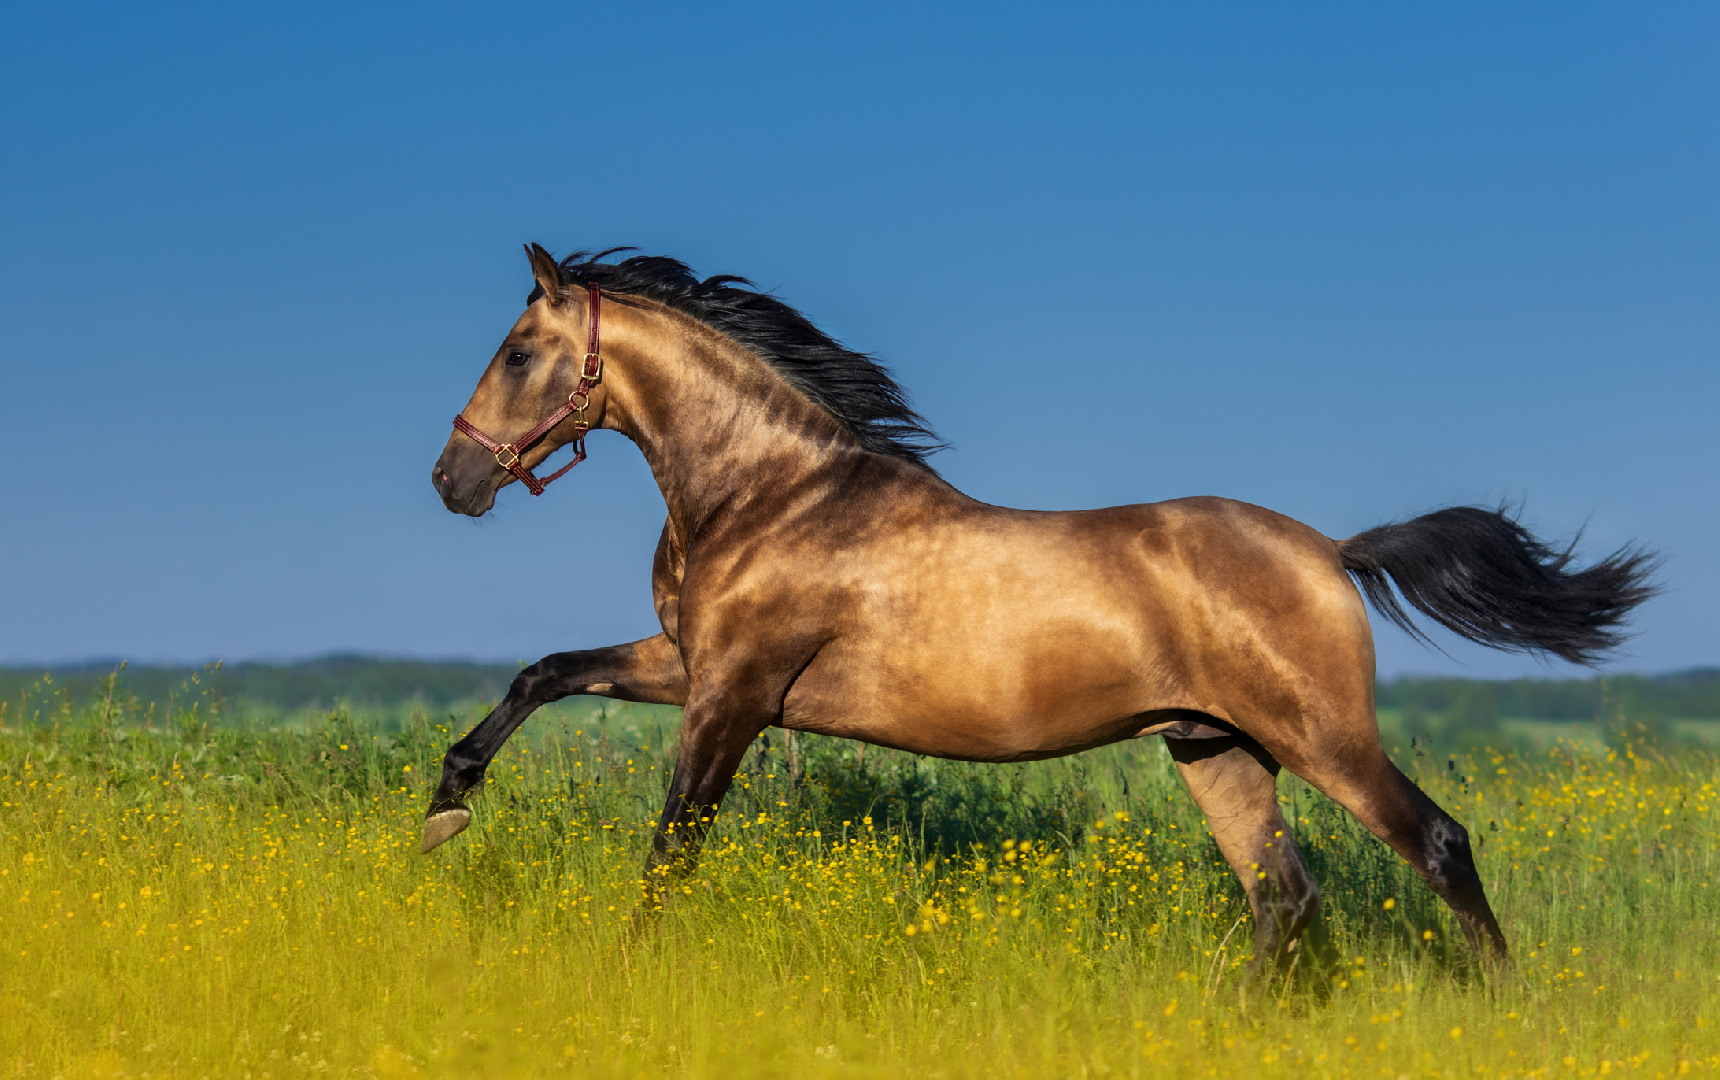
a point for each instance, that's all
(441, 826)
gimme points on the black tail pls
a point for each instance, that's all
(1481, 575)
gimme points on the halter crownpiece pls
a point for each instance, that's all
(590, 374)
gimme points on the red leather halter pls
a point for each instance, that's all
(508, 453)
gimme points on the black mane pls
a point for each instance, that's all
(851, 386)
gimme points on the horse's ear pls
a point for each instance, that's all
(545, 271)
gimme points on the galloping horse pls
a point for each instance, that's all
(816, 574)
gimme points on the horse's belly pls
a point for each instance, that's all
(1007, 704)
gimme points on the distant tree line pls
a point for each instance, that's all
(1684, 695)
(362, 681)
(307, 684)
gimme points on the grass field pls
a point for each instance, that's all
(205, 899)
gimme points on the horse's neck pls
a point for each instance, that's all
(718, 427)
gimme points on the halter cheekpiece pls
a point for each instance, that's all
(590, 374)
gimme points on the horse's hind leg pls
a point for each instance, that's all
(1389, 804)
(1234, 782)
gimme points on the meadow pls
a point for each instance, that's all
(186, 893)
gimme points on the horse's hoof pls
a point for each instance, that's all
(443, 826)
(644, 921)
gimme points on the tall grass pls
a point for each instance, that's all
(187, 898)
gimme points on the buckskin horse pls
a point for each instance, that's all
(816, 574)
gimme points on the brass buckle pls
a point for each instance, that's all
(507, 448)
(596, 376)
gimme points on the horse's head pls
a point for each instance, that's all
(536, 371)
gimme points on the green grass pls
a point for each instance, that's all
(197, 898)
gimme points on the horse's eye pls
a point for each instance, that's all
(515, 359)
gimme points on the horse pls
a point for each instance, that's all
(815, 573)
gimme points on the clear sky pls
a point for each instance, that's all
(1349, 261)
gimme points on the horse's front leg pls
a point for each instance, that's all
(648, 671)
(715, 735)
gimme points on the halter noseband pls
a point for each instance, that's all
(508, 453)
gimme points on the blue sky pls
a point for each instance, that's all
(1349, 261)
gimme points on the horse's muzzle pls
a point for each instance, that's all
(465, 481)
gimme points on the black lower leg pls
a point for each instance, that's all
(1430, 840)
(1450, 870)
(709, 757)
(1285, 901)
(648, 670)
(675, 848)
(465, 763)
